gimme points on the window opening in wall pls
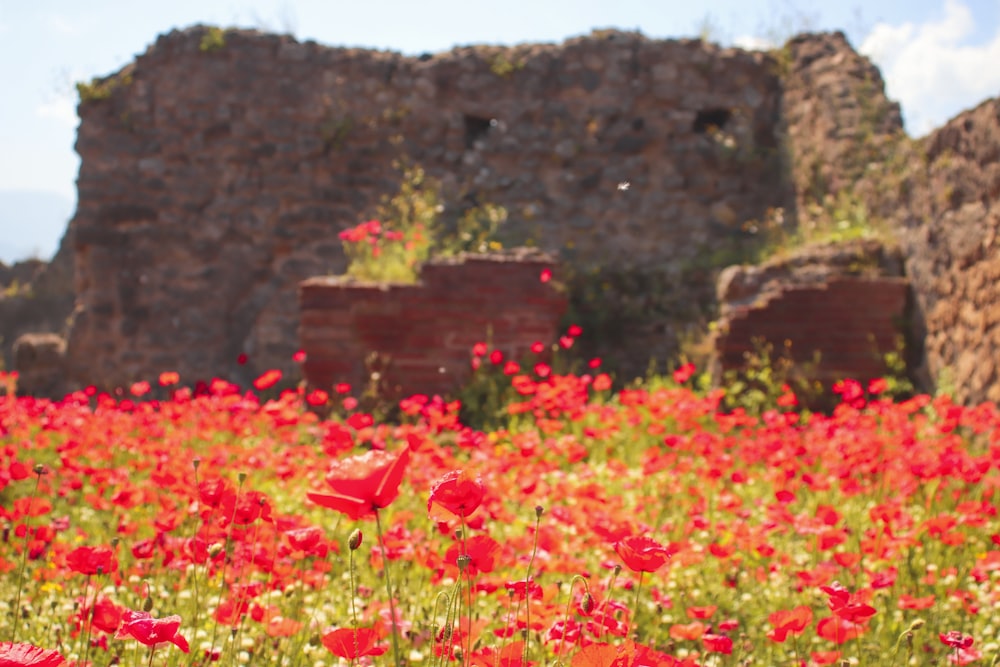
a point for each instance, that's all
(711, 120)
(476, 128)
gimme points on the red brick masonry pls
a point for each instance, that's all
(426, 331)
(852, 321)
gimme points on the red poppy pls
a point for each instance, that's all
(268, 379)
(299, 356)
(482, 551)
(641, 553)
(956, 639)
(92, 560)
(351, 644)
(690, 631)
(150, 631)
(365, 483)
(546, 275)
(304, 539)
(838, 630)
(168, 378)
(717, 643)
(684, 373)
(317, 398)
(458, 492)
(20, 654)
(106, 614)
(789, 621)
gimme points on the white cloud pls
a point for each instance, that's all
(61, 109)
(931, 70)
(753, 43)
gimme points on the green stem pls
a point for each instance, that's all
(39, 471)
(90, 619)
(388, 589)
(527, 587)
(569, 601)
(635, 605)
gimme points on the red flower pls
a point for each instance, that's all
(838, 630)
(299, 356)
(106, 614)
(168, 378)
(546, 275)
(458, 492)
(717, 643)
(789, 621)
(304, 539)
(317, 398)
(150, 631)
(268, 379)
(28, 655)
(684, 373)
(641, 553)
(92, 560)
(365, 483)
(956, 639)
(351, 644)
(482, 551)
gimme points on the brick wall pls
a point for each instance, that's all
(853, 320)
(426, 331)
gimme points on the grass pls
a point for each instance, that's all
(782, 538)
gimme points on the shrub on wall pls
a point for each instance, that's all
(410, 227)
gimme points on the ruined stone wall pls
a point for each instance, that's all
(840, 307)
(215, 177)
(459, 302)
(946, 207)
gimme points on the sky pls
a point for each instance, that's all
(938, 57)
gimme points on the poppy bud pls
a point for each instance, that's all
(147, 604)
(196, 462)
(463, 562)
(354, 541)
(539, 510)
(587, 604)
(214, 550)
(39, 469)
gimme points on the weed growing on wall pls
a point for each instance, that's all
(214, 39)
(412, 225)
(98, 89)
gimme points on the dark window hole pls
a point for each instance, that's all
(711, 119)
(476, 128)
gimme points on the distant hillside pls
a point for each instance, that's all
(31, 224)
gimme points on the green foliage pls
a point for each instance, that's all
(503, 66)
(214, 39)
(769, 379)
(412, 225)
(899, 385)
(335, 130)
(838, 219)
(99, 89)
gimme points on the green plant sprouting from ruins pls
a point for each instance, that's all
(214, 39)
(101, 88)
(414, 224)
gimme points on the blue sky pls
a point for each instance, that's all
(938, 57)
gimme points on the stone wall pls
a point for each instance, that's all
(418, 338)
(841, 308)
(946, 206)
(35, 297)
(215, 178)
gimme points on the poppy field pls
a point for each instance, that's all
(174, 525)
